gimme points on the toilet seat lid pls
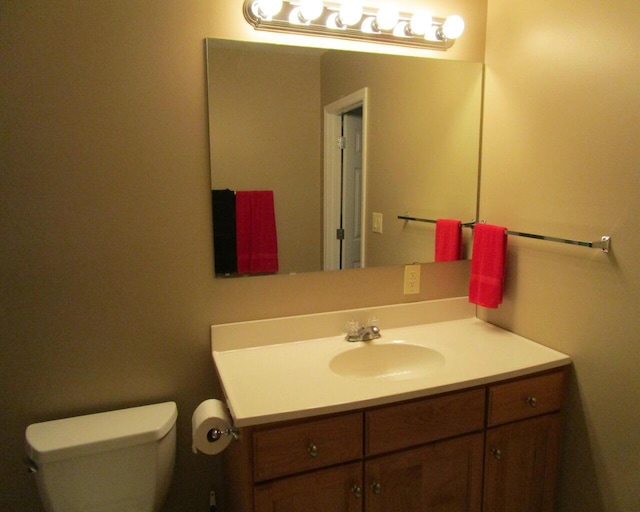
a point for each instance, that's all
(93, 433)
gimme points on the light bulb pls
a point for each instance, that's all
(420, 22)
(453, 27)
(267, 9)
(387, 17)
(350, 12)
(311, 9)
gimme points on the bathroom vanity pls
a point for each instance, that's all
(475, 429)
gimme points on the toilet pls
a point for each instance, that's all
(116, 461)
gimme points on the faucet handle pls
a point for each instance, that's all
(373, 321)
(353, 326)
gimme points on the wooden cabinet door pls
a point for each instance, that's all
(440, 477)
(521, 465)
(337, 489)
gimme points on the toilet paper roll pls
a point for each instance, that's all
(209, 423)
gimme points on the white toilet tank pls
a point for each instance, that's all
(116, 461)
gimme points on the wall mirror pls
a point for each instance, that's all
(417, 131)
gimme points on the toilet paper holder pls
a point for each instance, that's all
(215, 434)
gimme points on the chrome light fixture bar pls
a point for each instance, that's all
(350, 20)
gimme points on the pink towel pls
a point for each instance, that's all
(257, 241)
(488, 265)
(448, 240)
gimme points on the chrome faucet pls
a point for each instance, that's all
(355, 332)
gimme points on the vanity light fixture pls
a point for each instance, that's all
(310, 10)
(349, 19)
(349, 13)
(386, 18)
(266, 9)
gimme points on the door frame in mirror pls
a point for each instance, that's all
(332, 171)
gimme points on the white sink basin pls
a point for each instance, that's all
(392, 361)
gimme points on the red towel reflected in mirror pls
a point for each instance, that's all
(448, 240)
(257, 241)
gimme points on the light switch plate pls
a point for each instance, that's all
(376, 222)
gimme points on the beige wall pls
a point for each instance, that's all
(423, 136)
(106, 254)
(265, 134)
(560, 157)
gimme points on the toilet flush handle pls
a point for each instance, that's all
(31, 466)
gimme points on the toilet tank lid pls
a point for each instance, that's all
(55, 440)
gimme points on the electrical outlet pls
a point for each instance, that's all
(376, 222)
(411, 279)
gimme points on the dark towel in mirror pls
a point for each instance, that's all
(224, 231)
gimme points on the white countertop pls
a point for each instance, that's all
(289, 380)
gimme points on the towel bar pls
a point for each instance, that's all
(433, 221)
(604, 243)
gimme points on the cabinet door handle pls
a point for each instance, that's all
(497, 453)
(356, 491)
(532, 401)
(377, 488)
(313, 450)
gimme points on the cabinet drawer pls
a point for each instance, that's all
(422, 421)
(284, 450)
(525, 398)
